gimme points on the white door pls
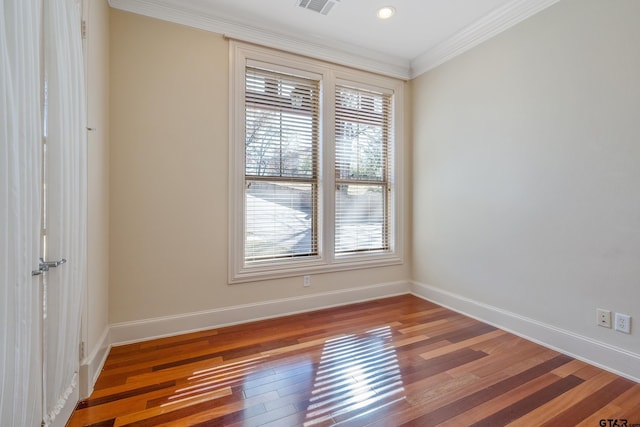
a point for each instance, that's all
(64, 206)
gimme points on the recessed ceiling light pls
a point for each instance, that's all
(386, 12)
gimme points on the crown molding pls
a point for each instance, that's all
(485, 28)
(352, 56)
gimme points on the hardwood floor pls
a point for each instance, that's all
(398, 361)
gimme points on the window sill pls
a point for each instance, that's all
(270, 271)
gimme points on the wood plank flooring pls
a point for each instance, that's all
(398, 361)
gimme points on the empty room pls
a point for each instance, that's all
(314, 213)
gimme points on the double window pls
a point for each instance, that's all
(314, 152)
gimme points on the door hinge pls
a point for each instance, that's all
(81, 350)
(83, 29)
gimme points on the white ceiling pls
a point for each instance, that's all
(421, 35)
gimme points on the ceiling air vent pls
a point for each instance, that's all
(320, 6)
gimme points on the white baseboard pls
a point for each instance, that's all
(91, 366)
(143, 330)
(605, 356)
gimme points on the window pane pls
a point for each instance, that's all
(359, 152)
(279, 144)
(362, 126)
(280, 220)
(361, 212)
(281, 124)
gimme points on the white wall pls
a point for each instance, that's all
(527, 171)
(169, 184)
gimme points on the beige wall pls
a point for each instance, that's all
(526, 169)
(96, 315)
(169, 178)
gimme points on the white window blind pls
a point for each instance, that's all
(282, 114)
(363, 128)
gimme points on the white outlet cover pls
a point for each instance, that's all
(603, 318)
(623, 323)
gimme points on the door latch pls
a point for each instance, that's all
(44, 266)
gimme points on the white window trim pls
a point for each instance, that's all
(240, 54)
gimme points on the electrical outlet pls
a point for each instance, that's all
(623, 323)
(306, 281)
(603, 318)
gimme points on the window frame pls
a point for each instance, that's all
(240, 56)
